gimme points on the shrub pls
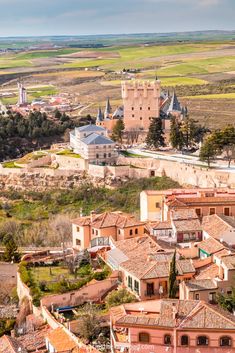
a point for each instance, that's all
(118, 297)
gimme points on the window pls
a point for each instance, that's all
(78, 242)
(136, 286)
(133, 115)
(184, 340)
(198, 212)
(212, 297)
(152, 173)
(104, 146)
(157, 204)
(132, 108)
(144, 337)
(140, 108)
(136, 230)
(227, 211)
(148, 108)
(105, 155)
(141, 118)
(109, 154)
(96, 232)
(225, 341)
(119, 232)
(212, 210)
(97, 156)
(131, 232)
(93, 231)
(129, 282)
(167, 339)
(197, 296)
(78, 229)
(202, 341)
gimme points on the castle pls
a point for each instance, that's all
(142, 101)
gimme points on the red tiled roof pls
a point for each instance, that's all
(190, 315)
(210, 246)
(109, 219)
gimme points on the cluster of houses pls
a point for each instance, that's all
(194, 226)
(197, 224)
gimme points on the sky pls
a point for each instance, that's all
(78, 17)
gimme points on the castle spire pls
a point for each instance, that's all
(108, 109)
(99, 116)
(174, 105)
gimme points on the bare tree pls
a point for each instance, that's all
(62, 229)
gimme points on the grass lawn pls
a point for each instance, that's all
(52, 273)
(10, 164)
(68, 153)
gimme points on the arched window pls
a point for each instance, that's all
(167, 339)
(225, 341)
(184, 340)
(202, 341)
(144, 337)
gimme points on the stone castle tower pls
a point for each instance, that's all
(141, 102)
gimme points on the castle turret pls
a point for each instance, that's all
(141, 101)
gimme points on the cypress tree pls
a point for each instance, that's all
(172, 278)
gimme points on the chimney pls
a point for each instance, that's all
(92, 214)
(174, 310)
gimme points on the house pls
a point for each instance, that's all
(170, 325)
(92, 144)
(209, 247)
(96, 229)
(183, 226)
(11, 345)
(217, 278)
(157, 205)
(220, 227)
(150, 279)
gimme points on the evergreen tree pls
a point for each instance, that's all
(155, 137)
(172, 278)
(208, 150)
(11, 251)
(118, 131)
(176, 136)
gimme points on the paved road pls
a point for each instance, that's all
(186, 159)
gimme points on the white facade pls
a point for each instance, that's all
(92, 143)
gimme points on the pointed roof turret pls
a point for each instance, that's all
(174, 105)
(108, 109)
(100, 115)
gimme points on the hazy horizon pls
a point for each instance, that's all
(97, 17)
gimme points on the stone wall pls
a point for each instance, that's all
(40, 179)
(69, 163)
(90, 292)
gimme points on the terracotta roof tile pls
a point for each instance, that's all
(210, 246)
(190, 314)
(60, 340)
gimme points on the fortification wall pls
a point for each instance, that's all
(40, 179)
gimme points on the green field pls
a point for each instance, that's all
(214, 96)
